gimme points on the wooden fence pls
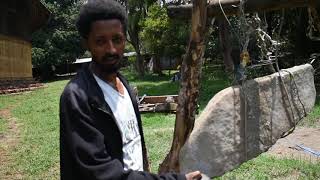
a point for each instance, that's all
(15, 58)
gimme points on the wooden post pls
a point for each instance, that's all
(189, 92)
(231, 7)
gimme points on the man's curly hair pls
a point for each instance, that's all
(100, 10)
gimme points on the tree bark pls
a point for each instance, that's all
(189, 92)
(134, 37)
(225, 44)
(157, 69)
(230, 7)
(133, 31)
(140, 65)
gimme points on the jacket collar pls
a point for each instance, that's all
(95, 94)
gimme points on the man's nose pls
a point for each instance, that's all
(110, 47)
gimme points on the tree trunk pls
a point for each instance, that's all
(133, 31)
(225, 44)
(157, 69)
(140, 66)
(189, 92)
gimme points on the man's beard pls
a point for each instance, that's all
(106, 68)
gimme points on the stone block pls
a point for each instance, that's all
(241, 122)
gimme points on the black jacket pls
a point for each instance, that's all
(90, 141)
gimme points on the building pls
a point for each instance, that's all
(18, 20)
(79, 62)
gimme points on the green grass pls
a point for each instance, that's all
(37, 154)
(268, 167)
(211, 83)
(6, 101)
(9, 102)
(158, 131)
(312, 120)
(3, 126)
(152, 84)
(41, 129)
(38, 113)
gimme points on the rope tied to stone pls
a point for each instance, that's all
(265, 44)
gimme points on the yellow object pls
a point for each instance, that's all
(15, 58)
(245, 58)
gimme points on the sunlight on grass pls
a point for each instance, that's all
(158, 142)
(152, 84)
(158, 132)
(41, 129)
(38, 113)
(268, 167)
(7, 101)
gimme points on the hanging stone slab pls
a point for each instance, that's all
(239, 123)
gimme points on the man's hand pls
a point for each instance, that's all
(193, 175)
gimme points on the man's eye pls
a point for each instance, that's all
(100, 42)
(117, 40)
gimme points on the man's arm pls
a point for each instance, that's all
(86, 145)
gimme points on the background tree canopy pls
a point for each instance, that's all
(163, 36)
(58, 42)
(151, 31)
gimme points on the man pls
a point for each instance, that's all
(101, 134)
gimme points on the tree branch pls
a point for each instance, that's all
(231, 7)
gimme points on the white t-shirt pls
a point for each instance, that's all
(122, 109)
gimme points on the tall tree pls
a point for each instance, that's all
(161, 36)
(137, 10)
(189, 92)
(57, 43)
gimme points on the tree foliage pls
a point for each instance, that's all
(58, 42)
(163, 36)
(150, 30)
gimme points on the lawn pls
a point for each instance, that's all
(3, 125)
(269, 167)
(36, 154)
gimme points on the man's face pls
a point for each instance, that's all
(106, 42)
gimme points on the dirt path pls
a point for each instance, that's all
(8, 142)
(286, 147)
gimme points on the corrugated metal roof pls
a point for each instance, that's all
(85, 60)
